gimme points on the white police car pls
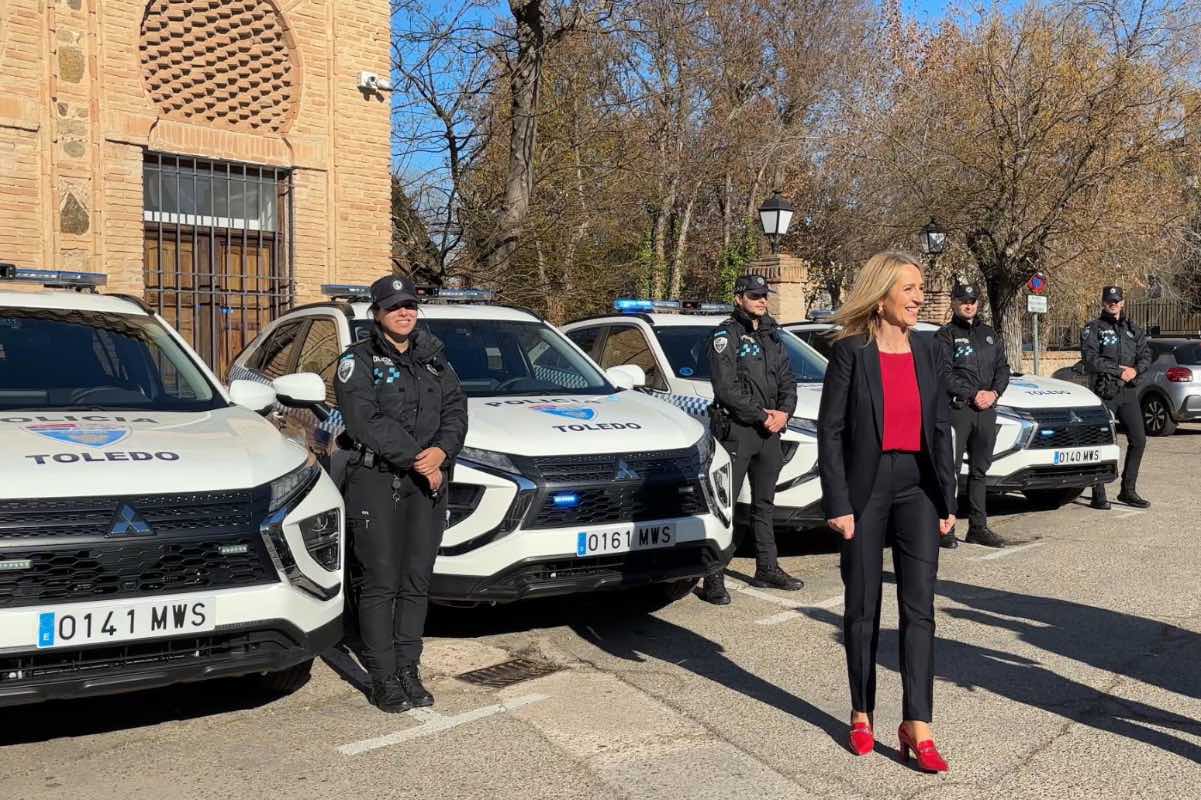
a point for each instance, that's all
(567, 483)
(154, 527)
(1054, 438)
(667, 341)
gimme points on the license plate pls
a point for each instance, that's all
(1078, 456)
(122, 622)
(624, 539)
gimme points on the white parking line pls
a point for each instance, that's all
(432, 722)
(1008, 551)
(800, 611)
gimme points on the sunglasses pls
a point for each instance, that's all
(755, 295)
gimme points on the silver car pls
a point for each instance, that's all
(1170, 392)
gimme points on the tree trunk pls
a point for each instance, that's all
(1008, 318)
(727, 211)
(667, 204)
(523, 129)
(677, 267)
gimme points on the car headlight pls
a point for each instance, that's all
(704, 450)
(288, 488)
(1029, 427)
(489, 458)
(322, 534)
(803, 426)
(721, 485)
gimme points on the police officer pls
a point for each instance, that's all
(406, 413)
(754, 397)
(1116, 355)
(978, 373)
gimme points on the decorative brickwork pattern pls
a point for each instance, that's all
(226, 63)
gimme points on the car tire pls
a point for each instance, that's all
(1157, 418)
(1051, 499)
(287, 680)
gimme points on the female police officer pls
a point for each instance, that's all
(407, 415)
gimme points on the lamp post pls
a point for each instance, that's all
(934, 239)
(775, 216)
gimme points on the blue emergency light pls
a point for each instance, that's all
(565, 500)
(697, 307)
(465, 295)
(629, 305)
(349, 291)
(53, 277)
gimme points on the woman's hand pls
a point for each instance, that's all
(435, 479)
(429, 461)
(947, 525)
(845, 525)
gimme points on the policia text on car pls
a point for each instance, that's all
(407, 416)
(754, 396)
(977, 376)
(1116, 355)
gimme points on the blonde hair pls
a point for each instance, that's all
(860, 312)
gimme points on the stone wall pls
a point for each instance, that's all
(87, 87)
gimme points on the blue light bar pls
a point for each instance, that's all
(465, 295)
(52, 277)
(629, 305)
(565, 500)
(355, 290)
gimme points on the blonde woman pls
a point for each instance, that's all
(887, 473)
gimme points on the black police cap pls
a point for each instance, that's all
(752, 284)
(1112, 294)
(391, 291)
(965, 292)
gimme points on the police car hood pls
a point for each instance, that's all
(1033, 392)
(808, 396)
(47, 454)
(570, 424)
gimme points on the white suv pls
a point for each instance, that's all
(667, 342)
(567, 483)
(1054, 438)
(154, 528)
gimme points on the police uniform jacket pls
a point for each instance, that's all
(1108, 344)
(750, 369)
(398, 404)
(975, 360)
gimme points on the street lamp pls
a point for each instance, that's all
(934, 238)
(775, 216)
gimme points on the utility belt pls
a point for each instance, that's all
(719, 422)
(1106, 386)
(361, 454)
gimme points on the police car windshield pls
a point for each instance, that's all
(56, 358)
(686, 345)
(508, 357)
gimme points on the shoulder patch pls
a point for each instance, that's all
(720, 343)
(720, 332)
(346, 368)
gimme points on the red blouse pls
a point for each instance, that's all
(902, 403)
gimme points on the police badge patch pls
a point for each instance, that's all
(720, 344)
(988, 339)
(345, 369)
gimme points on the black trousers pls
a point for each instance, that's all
(976, 435)
(901, 509)
(757, 455)
(397, 532)
(1130, 414)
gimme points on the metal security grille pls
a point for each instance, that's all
(218, 249)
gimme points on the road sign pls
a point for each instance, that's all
(1037, 283)
(1036, 304)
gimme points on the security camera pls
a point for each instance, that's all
(370, 82)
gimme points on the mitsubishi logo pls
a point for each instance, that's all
(127, 522)
(1074, 417)
(625, 472)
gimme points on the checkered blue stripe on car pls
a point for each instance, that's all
(689, 403)
(568, 380)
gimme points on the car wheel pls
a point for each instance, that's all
(287, 680)
(1157, 420)
(1051, 499)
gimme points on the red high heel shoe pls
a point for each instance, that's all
(928, 758)
(863, 740)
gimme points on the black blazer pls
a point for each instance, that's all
(850, 425)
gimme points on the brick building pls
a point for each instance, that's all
(215, 157)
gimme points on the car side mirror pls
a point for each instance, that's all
(252, 395)
(302, 390)
(626, 376)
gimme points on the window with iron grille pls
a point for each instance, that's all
(218, 250)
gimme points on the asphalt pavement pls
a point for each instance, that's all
(1067, 667)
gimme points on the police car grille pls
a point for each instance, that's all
(1061, 427)
(623, 503)
(73, 518)
(680, 465)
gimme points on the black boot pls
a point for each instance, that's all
(713, 590)
(776, 578)
(411, 681)
(984, 536)
(948, 540)
(389, 695)
(1099, 501)
(1131, 498)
